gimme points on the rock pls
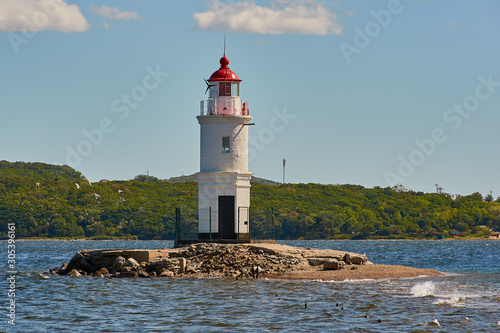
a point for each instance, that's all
(79, 262)
(131, 262)
(358, 259)
(166, 273)
(142, 273)
(316, 261)
(168, 264)
(245, 271)
(126, 274)
(332, 264)
(75, 273)
(62, 270)
(182, 265)
(355, 259)
(103, 272)
(118, 263)
(124, 269)
(346, 259)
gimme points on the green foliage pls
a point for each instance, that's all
(314, 211)
(45, 201)
(53, 201)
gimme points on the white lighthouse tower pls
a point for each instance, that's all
(224, 180)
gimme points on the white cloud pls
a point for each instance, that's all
(114, 13)
(247, 17)
(40, 15)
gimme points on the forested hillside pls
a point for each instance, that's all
(56, 201)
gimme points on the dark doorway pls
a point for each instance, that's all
(226, 216)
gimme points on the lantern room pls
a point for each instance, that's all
(223, 89)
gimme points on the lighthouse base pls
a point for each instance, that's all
(217, 237)
(224, 205)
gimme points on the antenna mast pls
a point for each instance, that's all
(284, 165)
(224, 45)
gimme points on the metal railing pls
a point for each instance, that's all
(259, 224)
(230, 107)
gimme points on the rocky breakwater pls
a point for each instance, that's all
(232, 261)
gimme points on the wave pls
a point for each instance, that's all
(448, 294)
(423, 289)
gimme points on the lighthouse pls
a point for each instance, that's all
(224, 180)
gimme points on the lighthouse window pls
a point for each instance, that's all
(235, 89)
(225, 144)
(225, 89)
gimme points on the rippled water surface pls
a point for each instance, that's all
(466, 300)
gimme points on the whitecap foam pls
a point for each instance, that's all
(445, 293)
(423, 289)
(434, 322)
(344, 281)
(453, 300)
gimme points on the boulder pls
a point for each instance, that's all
(355, 259)
(124, 269)
(166, 273)
(62, 270)
(79, 262)
(192, 271)
(142, 273)
(103, 272)
(332, 264)
(168, 264)
(118, 263)
(75, 273)
(131, 262)
(317, 261)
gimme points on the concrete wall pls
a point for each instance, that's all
(212, 129)
(211, 185)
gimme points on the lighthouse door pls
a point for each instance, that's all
(226, 216)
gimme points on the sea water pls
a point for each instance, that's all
(467, 299)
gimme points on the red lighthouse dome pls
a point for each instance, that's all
(224, 73)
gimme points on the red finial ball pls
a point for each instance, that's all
(224, 61)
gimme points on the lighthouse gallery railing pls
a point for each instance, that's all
(228, 107)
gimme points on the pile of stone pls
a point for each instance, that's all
(220, 260)
(208, 260)
(94, 263)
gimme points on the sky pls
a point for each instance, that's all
(372, 93)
